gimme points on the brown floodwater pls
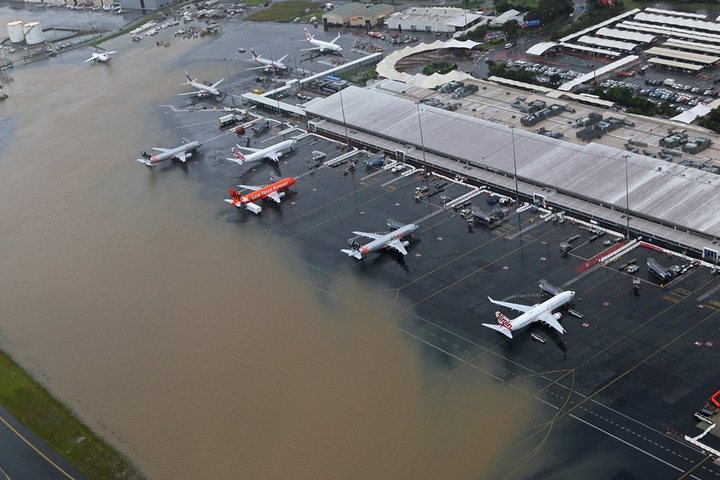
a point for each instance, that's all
(190, 344)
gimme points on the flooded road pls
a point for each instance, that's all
(188, 343)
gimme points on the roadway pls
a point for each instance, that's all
(24, 456)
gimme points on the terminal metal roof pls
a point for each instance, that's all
(625, 35)
(682, 56)
(567, 86)
(540, 48)
(583, 48)
(669, 31)
(604, 42)
(697, 47)
(660, 191)
(699, 16)
(672, 63)
(690, 23)
(522, 85)
(598, 25)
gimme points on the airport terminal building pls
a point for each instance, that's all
(671, 203)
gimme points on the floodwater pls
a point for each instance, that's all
(187, 342)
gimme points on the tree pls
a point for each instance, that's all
(511, 28)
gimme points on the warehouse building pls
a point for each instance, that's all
(433, 19)
(668, 202)
(372, 16)
(341, 14)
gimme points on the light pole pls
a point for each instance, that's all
(517, 190)
(342, 109)
(232, 94)
(627, 198)
(422, 140)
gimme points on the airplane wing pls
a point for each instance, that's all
(249, 187)
(547, 317)
(513, 306)
(161, 150)
(281, 59)
(90, 59)
(275, 197)
(374, 236)
(336, 39)
(218, 83)
(258, 68)
(251, 150)
(309, 49)
(196, 92)
(397, 245)
(111, 52)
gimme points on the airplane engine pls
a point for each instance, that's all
(557, 316)
(405, 243)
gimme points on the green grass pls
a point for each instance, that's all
(439, 67)
(55, 425)
(359, 75)
(254, 2)
(287, 11)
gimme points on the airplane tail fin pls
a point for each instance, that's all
(255, 55)
(499, 328)
(235, 198)
(239, 157)
(189, 79)
(307, 35)
(352, 253)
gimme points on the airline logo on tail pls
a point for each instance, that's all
(189, 79)
(307, 35)
(238, 154)
(503, 321)
(255, 55)
(236, 197)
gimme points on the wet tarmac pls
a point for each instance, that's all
(208, 342)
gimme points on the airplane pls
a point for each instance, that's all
(271, 191)
(266, 64)
(100, 57)
(536, 313)
(182, 153)
(201, 88)
(322, 45)
(379, 241)
(273, 152)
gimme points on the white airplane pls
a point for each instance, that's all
(182, 153)
(535, 313)
(273, 152)
(266, 64)
(322, 45)
(100, 57)
(201, 88)
(392, 240)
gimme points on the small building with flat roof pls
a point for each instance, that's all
(433, 19)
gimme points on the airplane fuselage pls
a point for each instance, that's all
(172, 153)
(263, 192)
(261, 155)
(326, 46)
(205, 89)
(532, 315)
(384, 240)
(270, 64)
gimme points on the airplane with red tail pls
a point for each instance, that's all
(275, 192)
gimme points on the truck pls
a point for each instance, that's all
(227, 120)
